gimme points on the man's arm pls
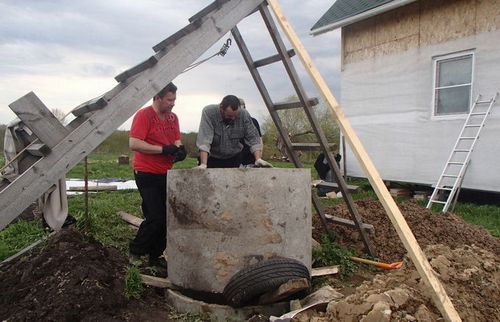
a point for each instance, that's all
(205, 136)
(143, 147)
(203, 157)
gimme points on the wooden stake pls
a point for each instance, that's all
(418, 257)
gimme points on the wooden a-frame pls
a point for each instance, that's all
(98, 118)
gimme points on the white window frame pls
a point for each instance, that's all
(435, 61)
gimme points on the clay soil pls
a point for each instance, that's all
(75, 278)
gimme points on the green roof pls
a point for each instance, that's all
(343, 9)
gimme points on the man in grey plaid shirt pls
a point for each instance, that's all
(222, 128)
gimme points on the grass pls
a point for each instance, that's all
(16, 237)
(133, 283)
(331, 254)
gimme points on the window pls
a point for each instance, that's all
(452, 84)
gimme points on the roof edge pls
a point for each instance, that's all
(362, 16)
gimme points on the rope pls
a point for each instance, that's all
(222, 52)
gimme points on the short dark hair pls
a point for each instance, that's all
(170, 88)
(230, 101)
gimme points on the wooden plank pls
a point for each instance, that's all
(90, 106)
(297, 104)
(312, 146)
(441, 299)
(135, 93)
(148, 63)
(284, 291)
(323, 271)
(39, 119)
(38, 149)
(272, 59)
(347, 222)
(158, 282)
(94, 188)
(325, 184)
(131, 219)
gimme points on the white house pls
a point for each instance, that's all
(410, 72)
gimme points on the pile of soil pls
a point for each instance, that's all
(429, 229)
(469, 274)
(72, 278)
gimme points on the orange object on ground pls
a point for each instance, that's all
(394, 265)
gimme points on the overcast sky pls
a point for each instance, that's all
(68, 52)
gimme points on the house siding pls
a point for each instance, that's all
(416, 25)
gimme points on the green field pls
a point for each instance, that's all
(107, 227)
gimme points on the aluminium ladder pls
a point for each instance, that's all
(450, 180)
(306, 104)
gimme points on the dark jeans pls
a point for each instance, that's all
(151, 237)
(233, 162)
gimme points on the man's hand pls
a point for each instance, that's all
(259, 163)
(201, 166)
(169, 149)
(180, 154)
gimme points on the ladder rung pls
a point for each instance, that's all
(455, 162)
(450, 175)
(272, 59)
(483, 102)
(311, 146)
(467, 137)
(437, 201)
(461, 150)
(478, 113)
(297, 104)
(444, 188)
(473, 125)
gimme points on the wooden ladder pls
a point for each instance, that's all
(62, 147)
(306, 104)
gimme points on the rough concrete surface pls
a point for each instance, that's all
(219, 221)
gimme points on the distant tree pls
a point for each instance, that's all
(298, 128)
(189, 141)
(59, 115)
(3, 127)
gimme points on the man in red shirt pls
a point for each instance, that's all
(156, 141)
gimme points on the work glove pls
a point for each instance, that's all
(180, 154)
(201, 166)
(259, 163)
(169, 149)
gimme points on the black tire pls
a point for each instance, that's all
(265, 276)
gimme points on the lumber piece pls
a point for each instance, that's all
(90, 105)
(94, 188)
(158, 282)
(297, 104)
(38, 149)
(273, 59)
(441, 299)
(131, 219)
(312, 146)
(39, 119)
(326, 184)
(284, 291)
(148, 63)
(322, 271)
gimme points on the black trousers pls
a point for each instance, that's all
(151, 237)
(233, 162)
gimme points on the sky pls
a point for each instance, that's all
(68, 52)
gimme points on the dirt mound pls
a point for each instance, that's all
(429, 229)
(72, 278)
(469, 274)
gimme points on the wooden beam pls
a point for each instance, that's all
(272, 59)
(312, 146)
(39, 119)
(297, 104)
(441, 299)
(131, 219)
(322, 271)
(96, 188)
(136, 92)
(158, 282)
(284, 291)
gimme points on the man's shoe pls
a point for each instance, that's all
(158, 262)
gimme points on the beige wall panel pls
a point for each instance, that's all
(360, 35)
(359, 55)
(487, 15)
(396, 46)
(396, 24)
(441, 21)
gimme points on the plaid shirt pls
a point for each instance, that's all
(224, 141)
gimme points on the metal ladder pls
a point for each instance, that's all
(306, 104)
(451, 178)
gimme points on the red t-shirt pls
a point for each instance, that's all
(148, 127)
